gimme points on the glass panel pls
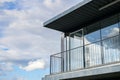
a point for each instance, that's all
(111, 49)
(92, 33)
(56, 66)
(93, 54)
(92, 37)
(76, 50)
(110, 27)
(65, 61)
(76, 39)
(76, 58)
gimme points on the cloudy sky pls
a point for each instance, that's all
(25, 45)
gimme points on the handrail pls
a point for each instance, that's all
(73, 59)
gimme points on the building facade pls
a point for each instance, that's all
(90, 44)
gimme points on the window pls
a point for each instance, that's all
(111, 39)
(110, 27)
(92, 33)
(76, 39)
(76, 50)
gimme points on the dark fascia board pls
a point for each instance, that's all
(66, 12)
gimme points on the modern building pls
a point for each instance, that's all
(90, 43)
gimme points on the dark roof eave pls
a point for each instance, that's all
(83, 14)
(66, 12)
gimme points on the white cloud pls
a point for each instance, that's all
(2, 1)
(33, 65)
(114, 31)
(19, 78)
(24, 36)
(52, 3)
(5, 67)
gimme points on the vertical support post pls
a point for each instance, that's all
(119, 31)
(62, 52)
(84, 61)
(66, 54)
(69, 53)
(50, 64)
(102, 52)
(119, 22)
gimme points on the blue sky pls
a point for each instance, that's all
(25, 45)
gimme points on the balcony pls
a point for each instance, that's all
(93, 51)
(99, 53)
(92, 46)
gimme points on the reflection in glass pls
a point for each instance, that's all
(76, 52)
(105, 33)
(111, 39)
(92, 37)
(110, 27)
(77, 58)
(110, 31)
(93, 54)
(76, 39)
(111, 49)
(92, 33)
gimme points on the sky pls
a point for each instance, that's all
(25, 45)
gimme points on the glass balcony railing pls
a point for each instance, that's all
(105, 51)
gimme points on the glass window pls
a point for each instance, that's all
(76, 50)
(110, 27)
(111, 49)
(111, 39)
(92, 33)
(76, 39)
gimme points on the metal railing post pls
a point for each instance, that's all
(50, 64)
(62, 52)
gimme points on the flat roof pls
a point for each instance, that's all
(83, 14)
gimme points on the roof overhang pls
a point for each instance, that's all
(83, 14)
